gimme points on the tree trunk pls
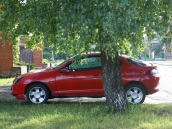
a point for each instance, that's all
(112, 83)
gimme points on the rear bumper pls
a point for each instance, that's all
(152, 84)
(153, 91)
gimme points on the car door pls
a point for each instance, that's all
(84, 78)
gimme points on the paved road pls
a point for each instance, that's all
(163, 96)
(5, 92)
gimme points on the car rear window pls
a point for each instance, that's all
(135, 62)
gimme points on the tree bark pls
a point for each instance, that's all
(112, 83)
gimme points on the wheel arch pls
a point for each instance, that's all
(136, 82)
(30, 84)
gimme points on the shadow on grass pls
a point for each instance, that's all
(82, 100)
(81, 113)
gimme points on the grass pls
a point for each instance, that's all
(5, 81)
(14, 115)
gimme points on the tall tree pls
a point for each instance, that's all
(73, 25)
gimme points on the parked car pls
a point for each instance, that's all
(80, 76)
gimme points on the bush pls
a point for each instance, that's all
(47, 55)
(161, 54)
(45, 61)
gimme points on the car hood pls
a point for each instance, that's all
(37, 73)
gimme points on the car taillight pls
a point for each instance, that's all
(152, 71)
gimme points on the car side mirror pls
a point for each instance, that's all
(64, 70)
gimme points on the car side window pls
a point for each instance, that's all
(87, 63)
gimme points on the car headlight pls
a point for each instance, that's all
(17, 79)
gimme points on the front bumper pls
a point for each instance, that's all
(18, 96)
(17, 91)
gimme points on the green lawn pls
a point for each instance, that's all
(5, 81)
(14, 115)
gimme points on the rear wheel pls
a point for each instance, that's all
(135, 93)
(37, 94)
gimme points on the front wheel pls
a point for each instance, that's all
(37, 94)
(135, 93)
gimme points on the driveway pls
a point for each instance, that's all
(164, 95)
(161, 97)
(5, 92)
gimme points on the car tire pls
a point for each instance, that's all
(37, 94)
(135, 93)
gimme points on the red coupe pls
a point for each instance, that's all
(83, 78)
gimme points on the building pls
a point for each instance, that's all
(6, 58)
(29, 56)
(26, 55)
(154, 42)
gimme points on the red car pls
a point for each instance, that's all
(81, 76)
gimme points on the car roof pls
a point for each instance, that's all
(99, 54)
(122, 58)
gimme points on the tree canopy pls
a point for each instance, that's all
(73, 25)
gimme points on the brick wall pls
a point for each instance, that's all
(37, 57)
(6, 56)
(37, 54)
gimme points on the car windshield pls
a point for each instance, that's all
(76, 57)
(135, 61)
(61, 63)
